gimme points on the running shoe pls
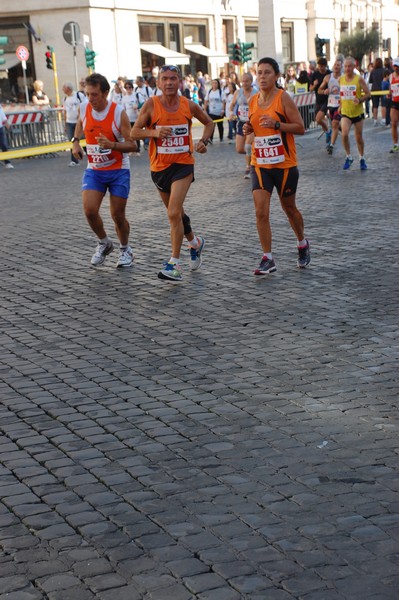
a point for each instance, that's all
(247, 173)
(266, 266)
(101, 252)
(195, 254)
(126, 258)
(73, 164)
(330, 149)
(363, 165)
(395, 148)
(170, 272)
(9, 166)
(304, 256)
(347, 163)
(328, 137)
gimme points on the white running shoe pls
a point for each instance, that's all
(196, 254)
(73, 164)
(101, 252)
(126, 258)
(9, 166)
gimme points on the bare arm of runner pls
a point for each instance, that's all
(141, 131)
(209, 126)
(366, 92)
(323, 89)
(78, 135)
(295, 123)
(233, 103)
(128, 145)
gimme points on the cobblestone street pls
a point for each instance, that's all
(226, 438)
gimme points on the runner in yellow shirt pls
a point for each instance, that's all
(353, 92)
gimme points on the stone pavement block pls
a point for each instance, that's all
(177, 592)
(203, 582)
(187, 567)
(219, 594)
(80, 592)
(126, 592)
(61, 581)
(27, 594)
(105, 581)
(13, 583)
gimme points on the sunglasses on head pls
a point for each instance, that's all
(169, 68)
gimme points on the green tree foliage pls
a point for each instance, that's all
(359, 43)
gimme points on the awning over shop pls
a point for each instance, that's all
(204, 51)
(11, 61)
(170, 56)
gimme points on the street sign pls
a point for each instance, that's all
(22, 53)
(71, 33)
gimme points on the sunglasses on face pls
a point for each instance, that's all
(128, 87)
(169, 68)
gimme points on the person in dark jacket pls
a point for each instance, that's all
(376, 77)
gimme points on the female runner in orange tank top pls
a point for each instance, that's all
(274, 119)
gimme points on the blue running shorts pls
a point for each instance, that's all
(117, 181)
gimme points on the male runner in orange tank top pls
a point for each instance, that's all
(167, 120)
(106, 128)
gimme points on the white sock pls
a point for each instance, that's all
(267, 255)
(175, 261)
(302, 244)
(194, 243)
(106, 240)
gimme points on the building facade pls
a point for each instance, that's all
(287, 28)
(131, 37)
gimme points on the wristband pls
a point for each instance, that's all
(205, 142)
(75, 139)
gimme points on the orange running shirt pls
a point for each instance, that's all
(177, 148)
(271, 149)
(102, 158)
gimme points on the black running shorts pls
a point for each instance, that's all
(164, 179)
(354, 119)
(284, 180)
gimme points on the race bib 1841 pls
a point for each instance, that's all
(269, 149)
(177, 142)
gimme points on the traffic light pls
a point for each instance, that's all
(231, 48)
(49, 58)
(90, 58)
(319, 43)
(3, 42)
(246, 51)
(237, 53)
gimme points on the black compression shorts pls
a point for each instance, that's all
(284, 180)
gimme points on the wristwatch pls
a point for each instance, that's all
(75, 139)
(205, 142)
(277, 125)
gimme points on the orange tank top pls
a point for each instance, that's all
(101, 158)
(271, 148)
(177, 148)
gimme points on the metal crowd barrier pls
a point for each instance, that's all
(32, 128)
(306, 104)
